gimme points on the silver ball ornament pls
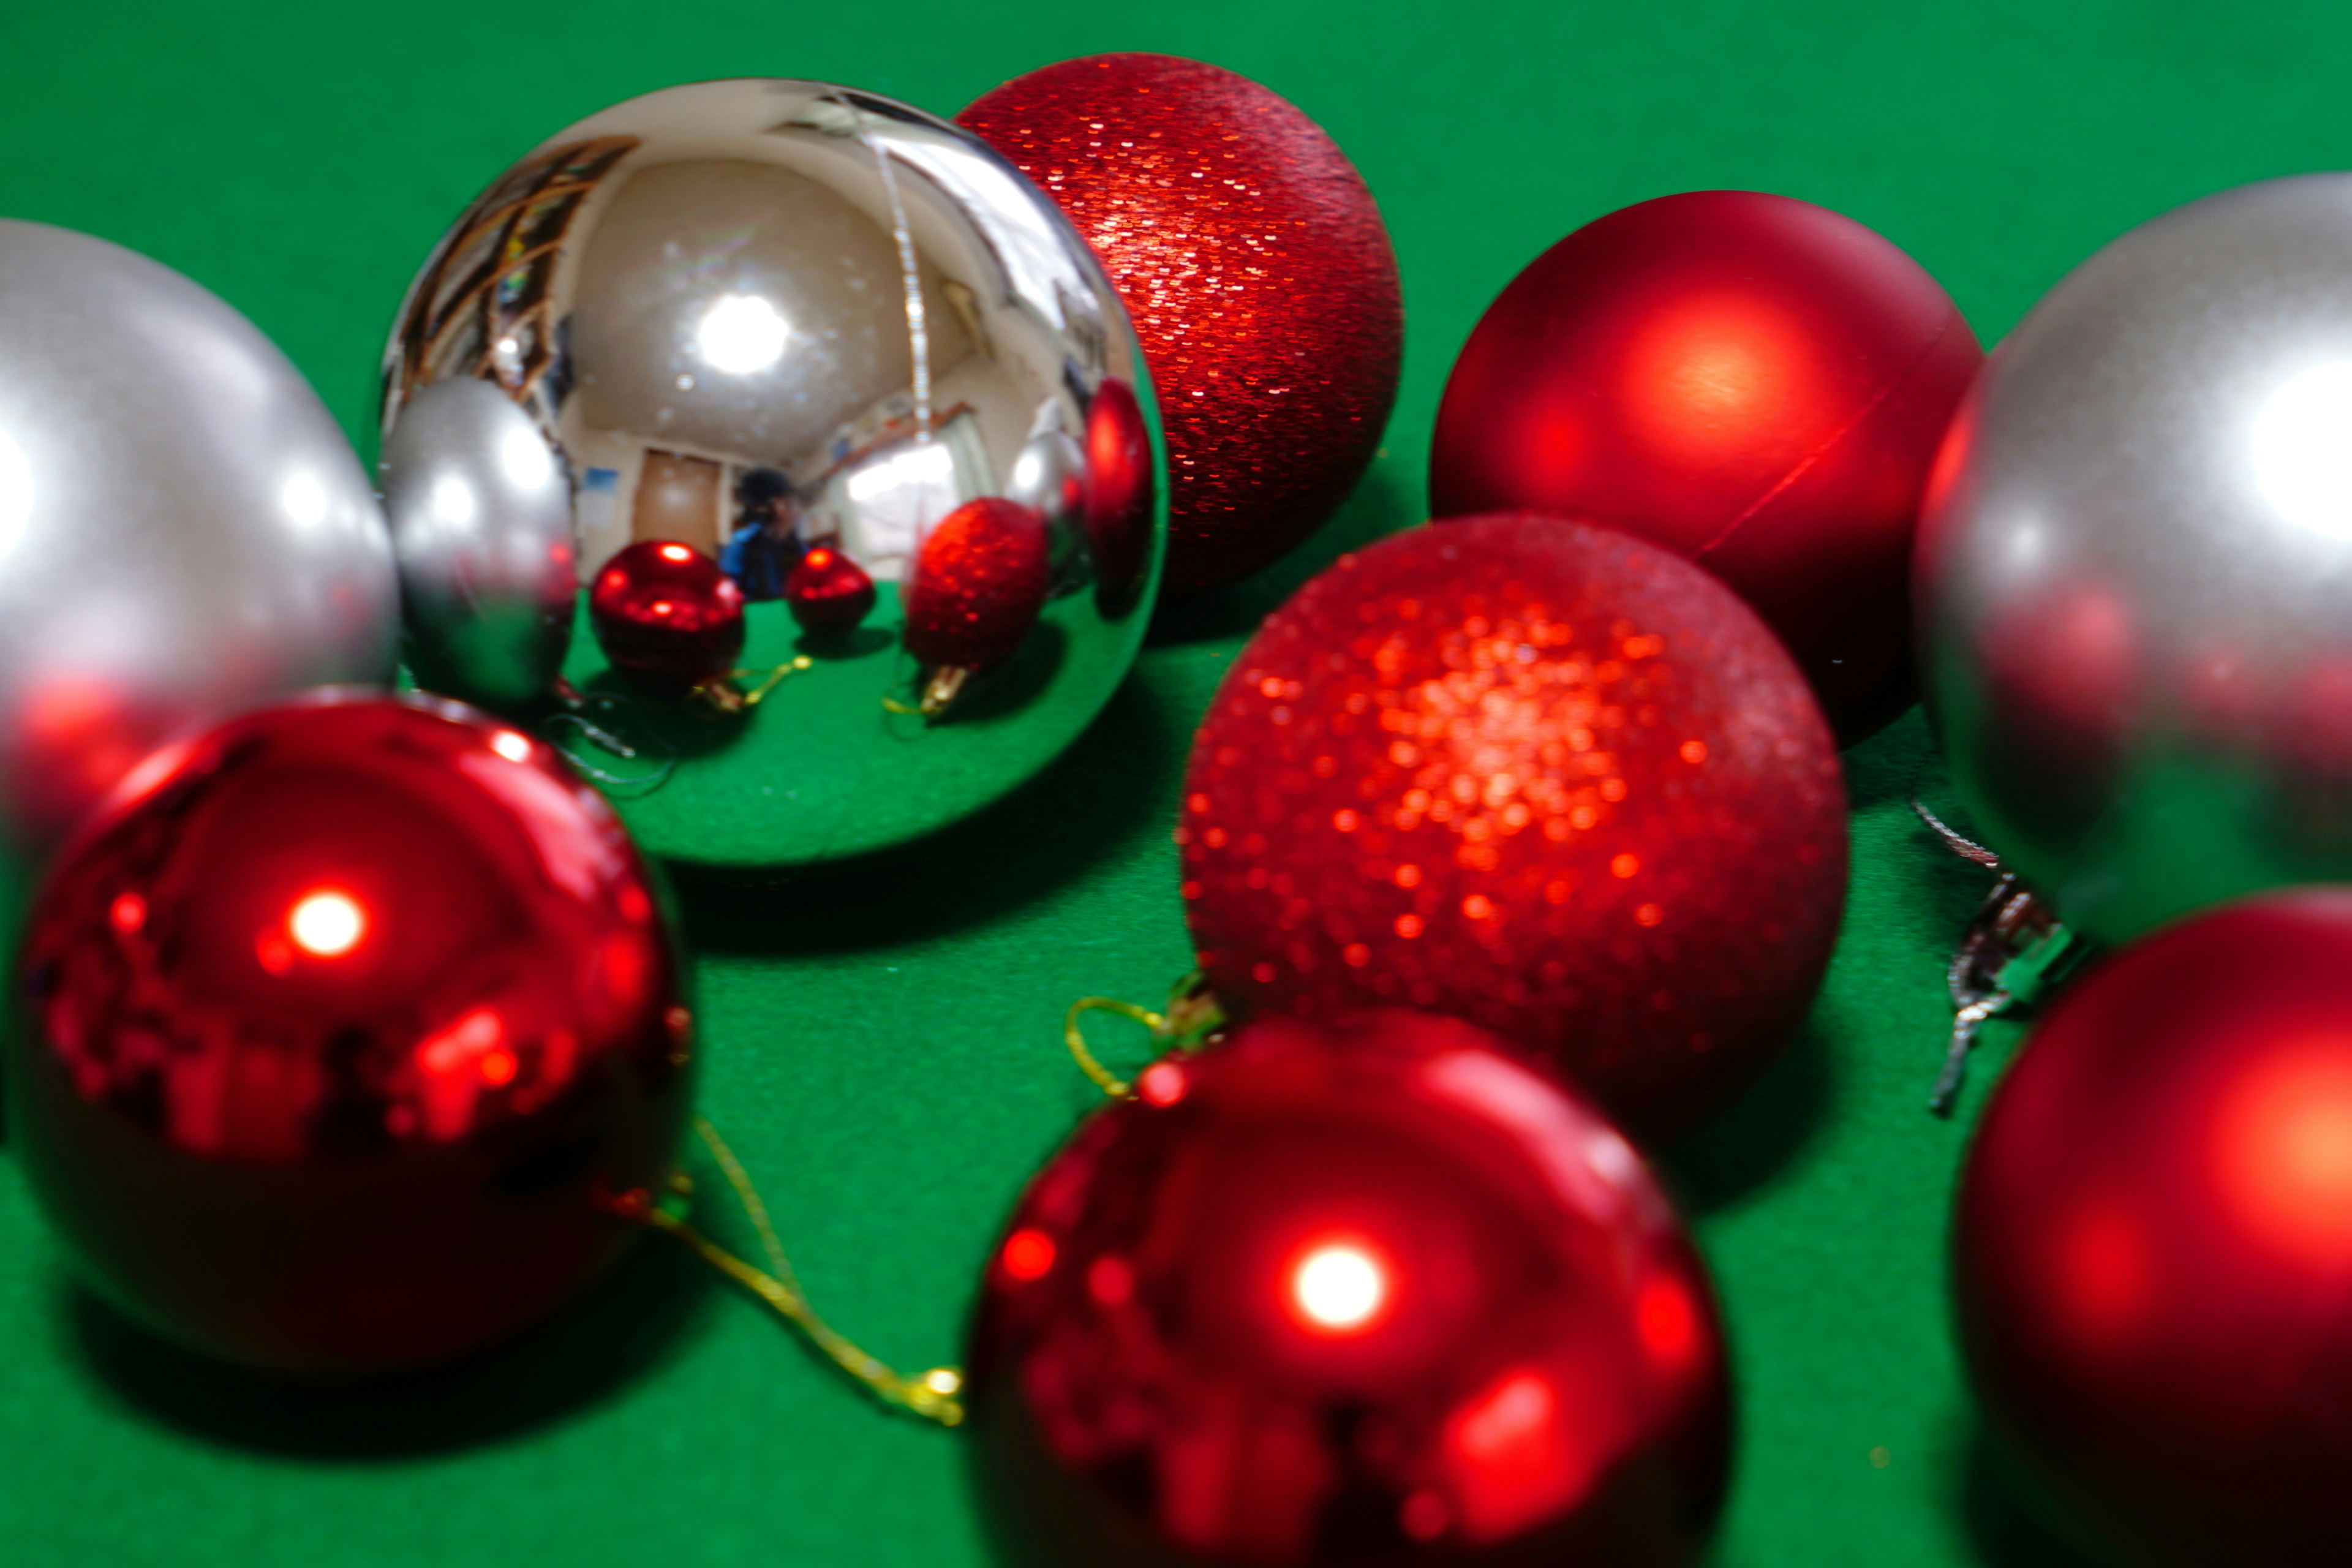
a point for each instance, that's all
(2135, 572)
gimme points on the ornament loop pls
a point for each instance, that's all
(1194, 1016)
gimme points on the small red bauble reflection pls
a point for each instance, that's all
(1756, 383)
(828, 592)
(2153, 1250)
(1532, 774)
(665, 613)
(1353, 1293)
(1257, 272)
(1118, 488)
(978, 584)
(342, 1016)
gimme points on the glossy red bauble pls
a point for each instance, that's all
(1119, 489)
(1258, 275)
(340, 1019)
(667, 614)
(978, 584)
(1533, 774)
(1756, 383)
(828, 592)
(1373, 1292)
(2152, 1255)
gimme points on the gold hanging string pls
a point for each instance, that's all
(932, 1395)
(1192, 1017)
(776, 678)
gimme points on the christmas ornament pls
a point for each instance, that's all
(186, 532)
(2131, 588)
(978, 586)
(1753, 382)
(1258, 273)
(767, 315)
(481, 526)
(1537, 774)
(666, 615)
(1119, 489)
(2152, 1255)
(1349, 1293)
(341, 1017)
(828, 592)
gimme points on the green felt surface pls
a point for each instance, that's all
(884, 1051)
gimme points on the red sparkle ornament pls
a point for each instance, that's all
(828, 592)
(2152, 1255)
(665, 614)
(1344, 1294)
(978, 584)
(341, 1017)
(1533, 774)
(1756, 383)
(1257, 272)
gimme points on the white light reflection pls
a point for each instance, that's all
(16, 491)
(2303, 449)
(927, 465)
(453, 501)
(742, 333)
(526, 460)
(305, 500)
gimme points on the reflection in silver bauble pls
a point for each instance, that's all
(2135, 575)
(184, 528)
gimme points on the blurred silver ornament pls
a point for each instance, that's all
(2135, 575)
(753, 317)
(184, 528)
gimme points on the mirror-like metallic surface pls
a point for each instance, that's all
(2135, 577)
(184, 529)
(759, 317)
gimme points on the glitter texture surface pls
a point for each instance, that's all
(1538, 775)
(978, 585)
(1258, 274)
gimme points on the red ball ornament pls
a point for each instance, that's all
(2152, 1255)
(1119, 489)
(1257, 272)
(666, 614)
(342, 1018)
(978, 584)
(1372, 1292)
(1536, 774)
(1756, 383)
(828, 592)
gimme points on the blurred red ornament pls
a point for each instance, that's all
(1341, 1294)
(1257, 272)
(666, 614)
(1118, 488)
(828, 592)
(1536, 774)
(978, 584)
(2153, 1250)
(1756, 383)
(342, 1017)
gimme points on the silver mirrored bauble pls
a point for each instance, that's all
(184, 529)
(2135, 575)
(754, 317)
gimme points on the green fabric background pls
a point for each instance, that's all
(883, 1052)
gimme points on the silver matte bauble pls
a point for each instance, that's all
(184, 528)
(752, 318)
(2135, 576)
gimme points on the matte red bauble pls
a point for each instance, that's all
(2153, 1250)
(666, 614)
(340, 1019)
(1372, 1292)
(1753, 382)
(978, 584)
(828, 592)
(1533, 774)
(1258, 275)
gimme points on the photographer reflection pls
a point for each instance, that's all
(766, 543)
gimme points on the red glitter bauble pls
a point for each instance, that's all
(1372, 1292)
(1533, 774)
(1753, 382)
(978, 584)
(342, 1016)
(2153, 1251)
(1119, 489)
(1258, 275)
(666, 614)
(828, 592)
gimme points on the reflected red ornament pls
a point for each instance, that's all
(1756, 383)
(828, 592)
(1533, 774)
(341, 1017)
(666, 614)
(1119, 490)
(2153, 1248)
(1342, 1294)
(978, 584)
(1257, 272)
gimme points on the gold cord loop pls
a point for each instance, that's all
(1192, 1018)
